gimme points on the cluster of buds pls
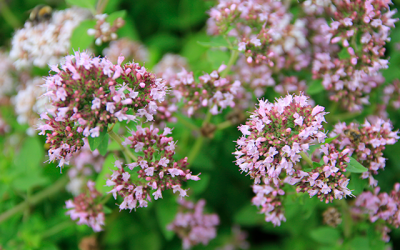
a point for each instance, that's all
(317, 7)
(362, 29)
(212, 91)
(327, 181)
(44, 43)
(87, 208)
(28, 105)
(157, 170)
(103, 31)
(168, 68)
(276, 134)
(7, 82)
(268, 198)
(127, 48)
(264, 32)
(380, 206)
(87, 94)
(192, 225)
(366, 143)
(83, 164)
(391, 95)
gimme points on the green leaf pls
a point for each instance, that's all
(29, 179)
(107, 210)
(114, 16)
(359, 242)
(80, 40)
(248, 216)
(343, 54)
(356, 184)
(166, 210)
(316, 164)
(315, 87)
(103, 145)
(216, 42)
(94, 142)
(325, 235)
(314, 147)
(355, 167)
(88, 4)
(199, 186)
(30, 155)
(329, 140)
(104, 173)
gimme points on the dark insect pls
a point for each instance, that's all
(353, 134)
(40, 13)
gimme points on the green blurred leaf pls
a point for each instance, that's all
(166, 210)
(355, 167)
(115, 15)
(107, 210)
(80, 40)
(325, 235)
(356, 184)
(29, 179)
(217, 57)
(103, 145)
(94, 142)
(200, 186)
(30, 155)
(104, 173)
(359, 242)
(216, 42)
(248, 216)
(315, 87)
(88, 4)
(344, 54)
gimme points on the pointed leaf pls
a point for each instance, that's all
(94, 142)
(355, 167)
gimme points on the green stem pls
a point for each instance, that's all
(306, 158)
(57, 228)
(196, 149)
(184, 121)
(232, 60)
(127, 153)
(224, 125)
(101, 5)
(35, 199)
(347, 220)
(207, 119)
(8, 15)
(345, 116)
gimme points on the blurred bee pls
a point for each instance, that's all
(40, 13)
(353, 134)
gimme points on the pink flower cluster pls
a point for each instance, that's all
(276, 134)
(268, 198)
(87, 208)
(88, 94)
(263, 30)
(192, 225)
(362, 29)
(380, 206)
(157, 170)
(212, 91)
(327, 181)
(366, 143)
(391, 95)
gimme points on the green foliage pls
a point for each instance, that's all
(355, 167)
(80, 40)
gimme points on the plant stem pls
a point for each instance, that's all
(101, 5)
(306, 158)
(127, 153)
(232, 60)
(57, 228)
(196, 149)
(35, 199)
(8, 15)
(347, 220)
(188, 124)
(224, 125)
